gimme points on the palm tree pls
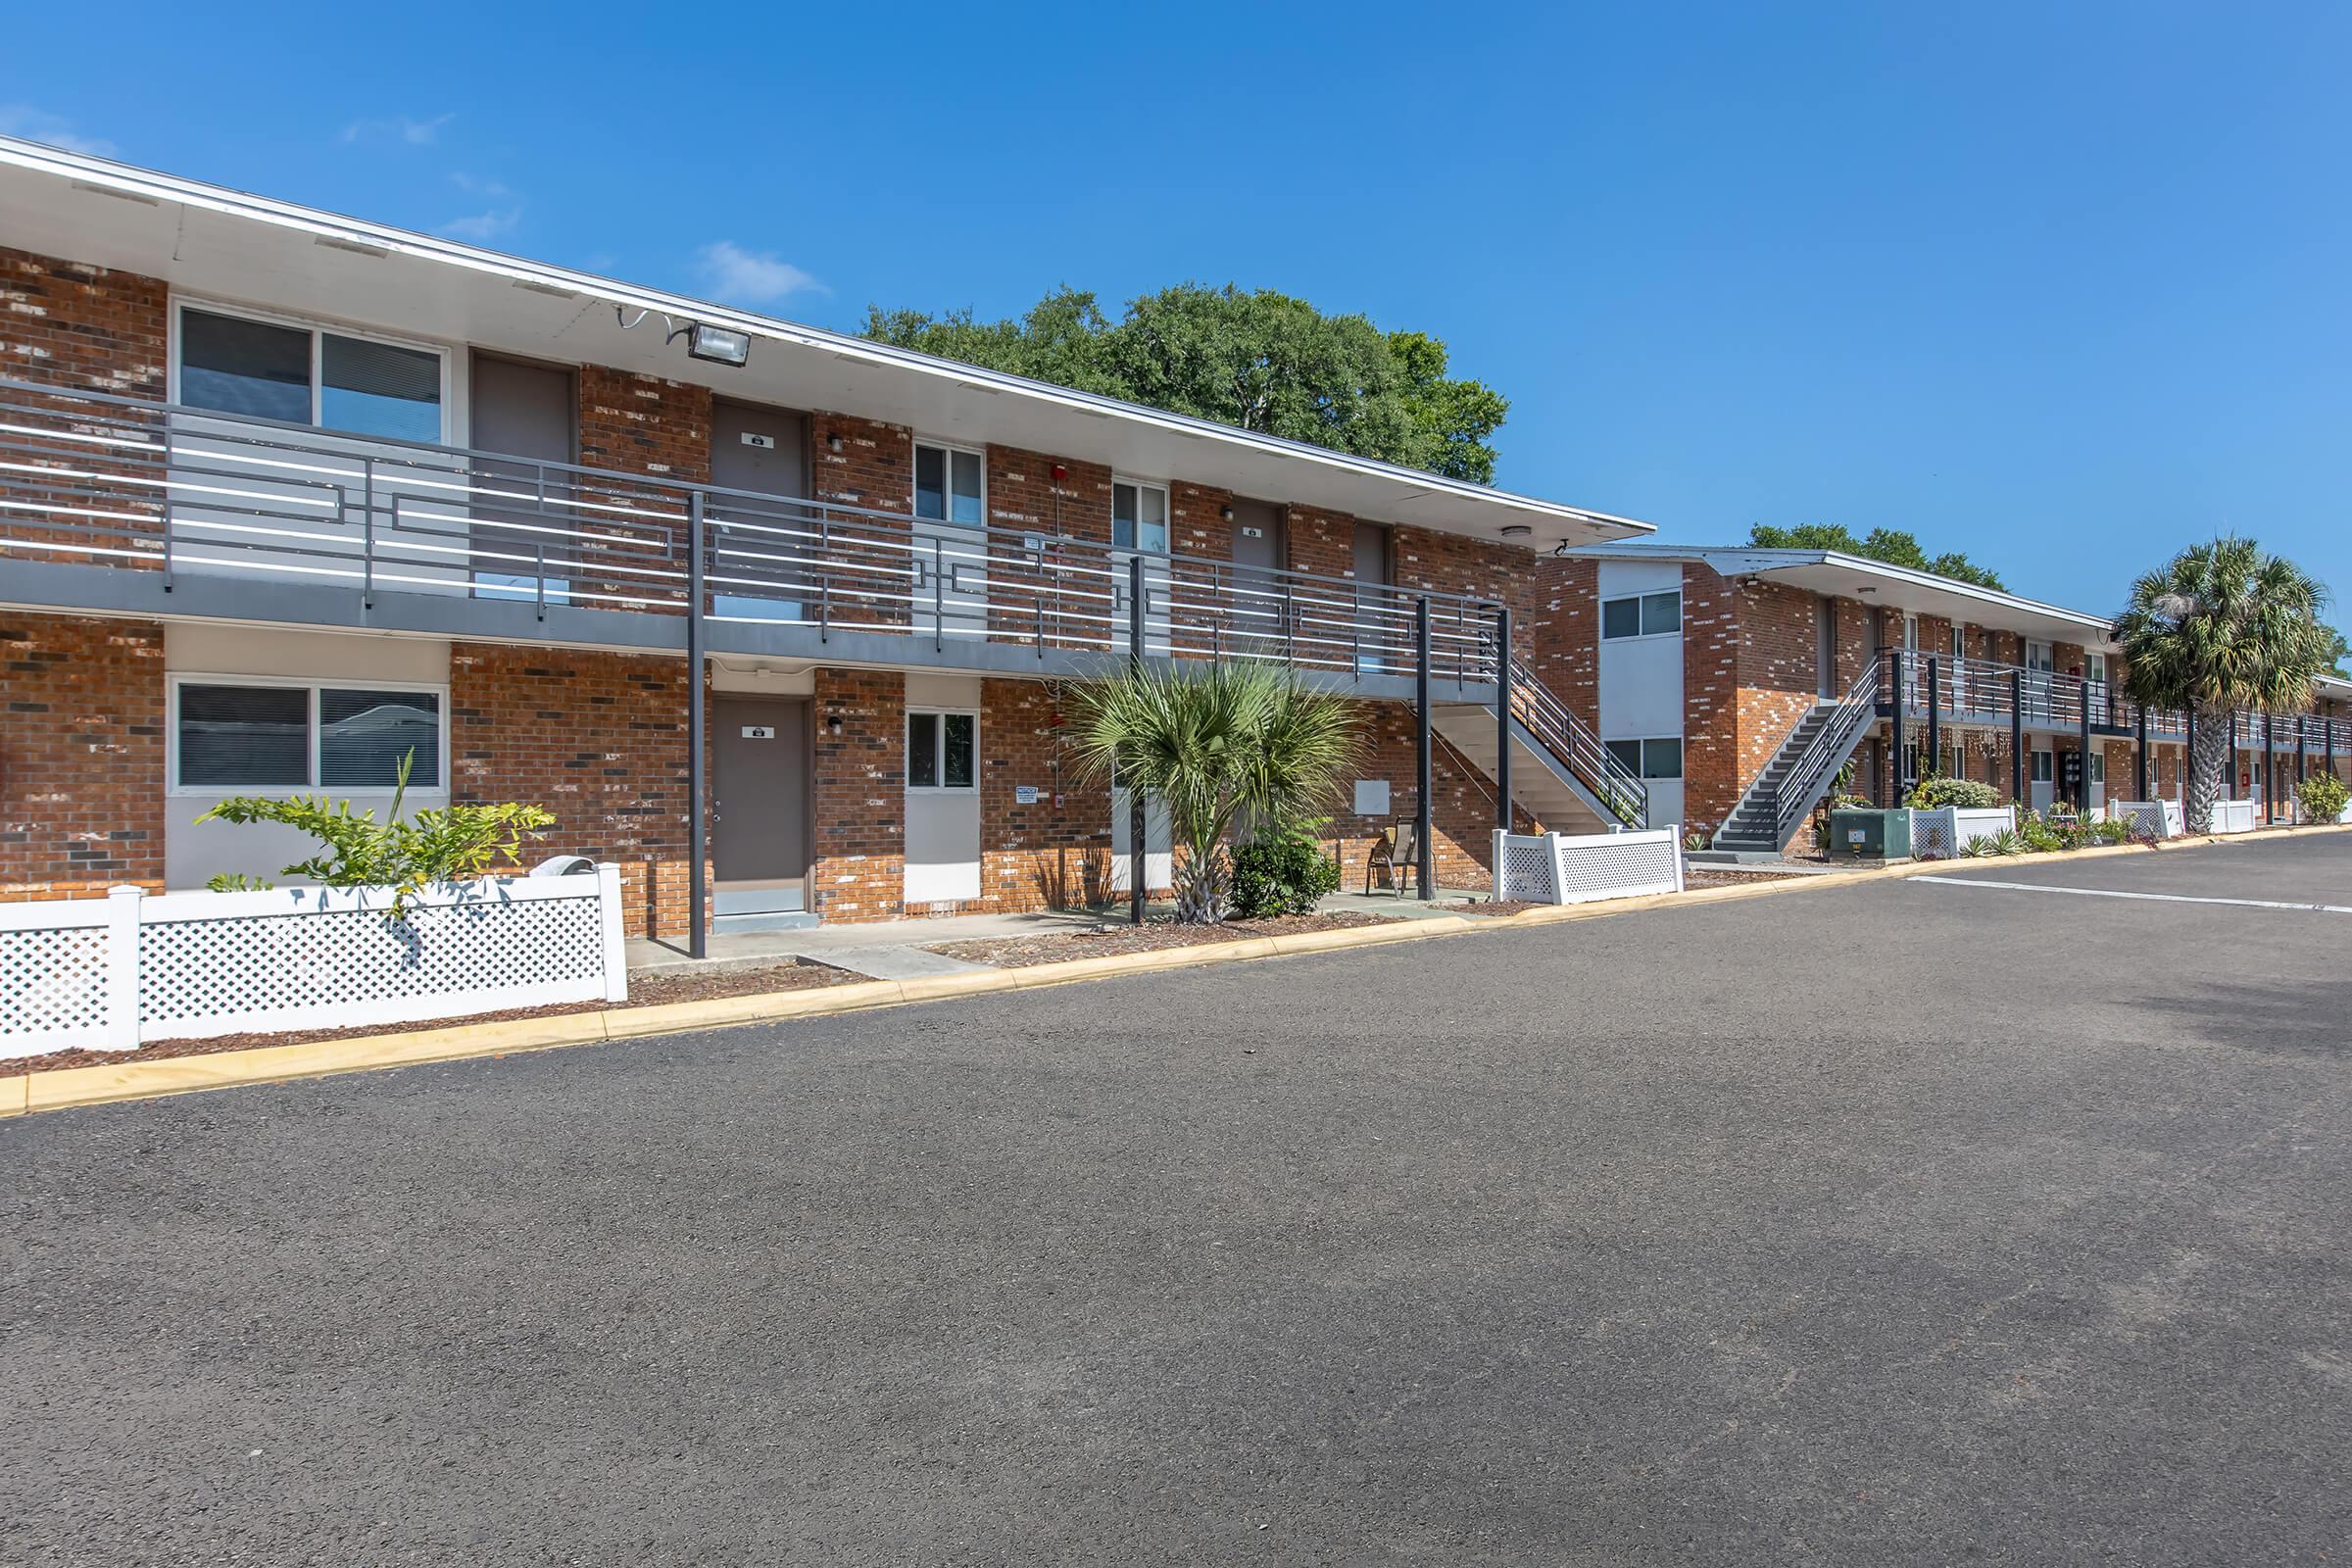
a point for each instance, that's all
(2222, 629)
(1218, 745)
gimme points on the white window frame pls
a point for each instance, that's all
(938, 717)
(1168, 513)
(1682, 753)
(1959, 641)
(174, 681)
(1637, 636)
(2095, 666)
(2041, 765)
(950, 447)
(2049, 655)
(2098, 765)
(316, 328)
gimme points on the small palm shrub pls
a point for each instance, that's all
(1284, 874)
(2323, 796)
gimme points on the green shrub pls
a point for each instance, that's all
(1935, 792)
(2323, 796)
(448, 844)
(2040, 836)
(1287, 874)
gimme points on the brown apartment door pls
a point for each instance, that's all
(521, 410)
(1257, 563)
(759, 802)
(759, 546)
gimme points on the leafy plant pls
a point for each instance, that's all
(2040, 836)
(1979, 845)
(444, 844)
(2006, 841)
(1697, 838)
(1938, 791)
(1216, 744)
(2220, 629)
(2323, 796)
(1281, 874)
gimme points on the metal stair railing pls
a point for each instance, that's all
(1810, 773)
(1618, 788)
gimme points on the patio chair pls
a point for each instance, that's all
(1396, 851)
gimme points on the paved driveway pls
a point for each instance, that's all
(1878, 1224)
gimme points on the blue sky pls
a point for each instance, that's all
(2062, 286)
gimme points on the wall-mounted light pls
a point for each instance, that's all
(719, 345)
(833, 444)
(715, 345)
(833, 722)
(1225, 513)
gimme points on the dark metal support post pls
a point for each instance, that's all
(698, 887)
(2082, 692)
(1935, 717)
(2270, 769)
(2229, 784)
(1425, 871)
(2302, 751)
(2140, 776)
(1503, 719)
(1138, 863)
(1896, 723)
(2017, 738)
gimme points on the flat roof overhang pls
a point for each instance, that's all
(236, 247)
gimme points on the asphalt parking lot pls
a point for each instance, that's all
(1879, 1224)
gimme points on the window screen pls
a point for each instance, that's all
(363, 735)
(1661, 613)
(250, 367)
(233, 737)
(379, 389)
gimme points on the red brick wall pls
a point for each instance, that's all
(597, 738)
(82, 326)
(1197, 525)
(1711, 775)
(1023, 494)
(1054, 852)
(1320, 542)
(644, 425)
(82, 756)
(1461, 804)
(874, 469)
(1561, 634)
(1446, 562)
(859, 856)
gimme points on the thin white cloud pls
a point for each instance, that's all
(483, 227)
(731, 273)
(477, 186)
(400, 129)
(38, 124)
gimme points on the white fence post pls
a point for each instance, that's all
(121, 1026)
(616, 953)
(1500, 836)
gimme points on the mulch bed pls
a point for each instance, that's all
(1495, 907)
(1055, 946)
(1732, 879)
(644, 990)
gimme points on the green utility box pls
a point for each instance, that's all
(1863, 834)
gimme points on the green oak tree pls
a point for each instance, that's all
(1890, 545)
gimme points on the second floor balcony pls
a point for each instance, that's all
(123, 506)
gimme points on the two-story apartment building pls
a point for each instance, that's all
(287, 497)
(1740, 681)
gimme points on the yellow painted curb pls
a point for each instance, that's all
(175, 1075)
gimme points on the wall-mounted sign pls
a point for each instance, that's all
(1025, 794)
(758, 733)
(752, 438)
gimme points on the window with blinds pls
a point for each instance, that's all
(307, 375)
(259, 737)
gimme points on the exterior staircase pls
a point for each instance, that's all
(1780, 797)
(1560, 773)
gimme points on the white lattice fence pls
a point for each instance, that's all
(1555, 868)
(109, 974)
(1941, 833)
(2156, 819)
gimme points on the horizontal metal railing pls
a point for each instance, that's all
(98, 478)
(1977, 690)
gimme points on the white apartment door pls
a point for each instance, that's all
(1139, 528)
(2041, 778)
(950, 577)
